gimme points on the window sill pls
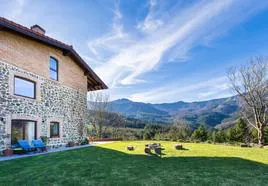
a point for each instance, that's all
(56, 137)
(23, 97)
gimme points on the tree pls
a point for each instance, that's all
(180, 130)
(98, 106)
(250, 83)
(221, 136)
(238, 133)
(241, 131)
(200, 133)
(231, 134)
(150, 131)
(266, 134)
(116, 121)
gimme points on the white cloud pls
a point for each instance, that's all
(17, 9)
(214, 88)
(188, 28)
(150, 23)
(112, 43)
(144, 56)
(130, 58)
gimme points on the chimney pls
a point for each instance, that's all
(38, 29)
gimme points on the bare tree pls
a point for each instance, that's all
(180, 130)
(250, 83)
(98, 106)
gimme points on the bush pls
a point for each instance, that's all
(84, 142)
(209, 141)
(200, 134)
(44, 139)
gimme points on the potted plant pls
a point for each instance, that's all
(8, 152)
(71, 144)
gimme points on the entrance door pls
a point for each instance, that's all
(23, 129)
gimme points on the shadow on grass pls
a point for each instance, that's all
(102, 166)
(181, 149)
(152, 153)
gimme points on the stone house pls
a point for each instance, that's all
(43, 87)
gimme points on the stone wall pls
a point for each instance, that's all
(57, 103)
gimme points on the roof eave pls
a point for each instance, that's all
(49, 41)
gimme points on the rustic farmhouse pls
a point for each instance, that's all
(43, 87)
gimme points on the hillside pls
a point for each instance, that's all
(139, 110)
(212, 112)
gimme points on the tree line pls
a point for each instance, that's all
(116, 126)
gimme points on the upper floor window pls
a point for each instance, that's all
(54, 129)
(24, 87)
(53, 69)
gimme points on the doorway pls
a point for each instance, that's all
(23, 130)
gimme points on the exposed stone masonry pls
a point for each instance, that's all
(57, 101)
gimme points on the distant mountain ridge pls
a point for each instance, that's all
(213, 112)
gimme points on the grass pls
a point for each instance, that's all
(112, 164)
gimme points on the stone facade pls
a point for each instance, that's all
(56, 102)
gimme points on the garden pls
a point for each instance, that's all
(114, 164)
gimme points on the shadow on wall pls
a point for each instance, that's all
(101, 166)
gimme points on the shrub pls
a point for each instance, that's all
(84, 142)
(44, 139)
(200, 134)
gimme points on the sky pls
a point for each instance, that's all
(154, 50)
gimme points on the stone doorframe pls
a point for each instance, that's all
(11, 117)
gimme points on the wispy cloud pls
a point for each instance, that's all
(145, 55)
(111, 43)
(214, 88)
(17, 9)
(188, 28)
(150, 23)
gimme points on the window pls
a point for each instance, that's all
(54, 129)
(22, 130)
(53, 69)
(24, 87)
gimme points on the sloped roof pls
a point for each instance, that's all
(94, 82)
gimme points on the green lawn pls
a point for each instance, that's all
(112, 164)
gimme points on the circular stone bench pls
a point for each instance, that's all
(178, 146)
(130, 148)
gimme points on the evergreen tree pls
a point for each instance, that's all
(266, 134)
(220, 136)
(231, 134)
(200, 133)
(241, 131)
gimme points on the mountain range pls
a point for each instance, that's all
(214, 113)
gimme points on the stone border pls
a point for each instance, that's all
(60, 121)
(11, 117)
(7, 158)
(12, 75)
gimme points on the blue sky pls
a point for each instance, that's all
(154, 50)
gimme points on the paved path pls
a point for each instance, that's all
(49, 151)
